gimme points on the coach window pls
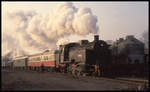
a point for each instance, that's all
(39, 58)
(46, 58)
(52, 57)
(49, 57)
(43, 57)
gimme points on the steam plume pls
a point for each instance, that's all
(30, 32)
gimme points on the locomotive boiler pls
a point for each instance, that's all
(84, 57)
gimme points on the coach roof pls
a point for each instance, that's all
(20, 57)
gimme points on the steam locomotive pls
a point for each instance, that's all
(84, 57)
(79, 58)
(89, 58)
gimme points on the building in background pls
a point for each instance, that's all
(129, 50)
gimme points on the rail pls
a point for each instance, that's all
(128, 81)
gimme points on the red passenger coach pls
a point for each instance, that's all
(45, 59)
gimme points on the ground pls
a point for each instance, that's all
(33, 80)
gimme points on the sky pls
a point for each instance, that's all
(114, 19)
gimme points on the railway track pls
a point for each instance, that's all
(129, 81)
(124, 80)
(134, 80)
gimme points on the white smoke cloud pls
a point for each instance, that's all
(30, 32)
(62, 41)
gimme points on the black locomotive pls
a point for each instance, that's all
(84, 57)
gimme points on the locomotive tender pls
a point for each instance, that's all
(78, 58)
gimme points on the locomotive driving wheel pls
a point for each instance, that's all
(78, 73)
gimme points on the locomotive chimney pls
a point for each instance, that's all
(60, 46)
(96, 38)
